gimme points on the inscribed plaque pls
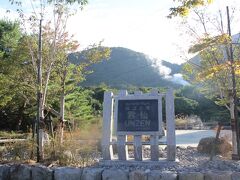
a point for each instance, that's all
(138, 115)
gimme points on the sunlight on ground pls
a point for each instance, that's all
(192, 137)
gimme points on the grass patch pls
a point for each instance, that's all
(80, 148)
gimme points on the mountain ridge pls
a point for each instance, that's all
(126, 67)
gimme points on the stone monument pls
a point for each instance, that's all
(138, 114)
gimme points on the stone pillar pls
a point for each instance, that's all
(107, 151)
(170, 118)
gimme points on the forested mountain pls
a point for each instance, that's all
(126, 67)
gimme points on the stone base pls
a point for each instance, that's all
(22, 171)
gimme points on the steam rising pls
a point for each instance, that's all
(165, 72)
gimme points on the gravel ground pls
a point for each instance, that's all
(188, 160)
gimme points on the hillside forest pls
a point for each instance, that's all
(81, 77)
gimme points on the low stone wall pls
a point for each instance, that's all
(34, 172)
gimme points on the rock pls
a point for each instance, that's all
(4, 172)
(20, 172)
(137, 175)
(92, 174)
(41, 173)
(236, 176)
(191, 176)
(114, 174)
(206, 144)
(67, 173)
(159, 175)
(218, 175)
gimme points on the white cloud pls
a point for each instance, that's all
(178, 78)
(166, 73)
(163, 70)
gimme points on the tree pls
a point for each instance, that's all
(53, 58)
(9, 38)
(184, 7)
(17, 86)
(55, 26)
(214, 71)
(60, 45)
(190, 101)
(68, 75)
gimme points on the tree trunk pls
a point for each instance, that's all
(20, 117)
(40, 112)
(62, 103)
(234, 101)
(234, 135)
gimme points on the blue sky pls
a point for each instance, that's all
(140, 25)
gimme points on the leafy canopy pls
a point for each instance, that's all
(185, 6)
